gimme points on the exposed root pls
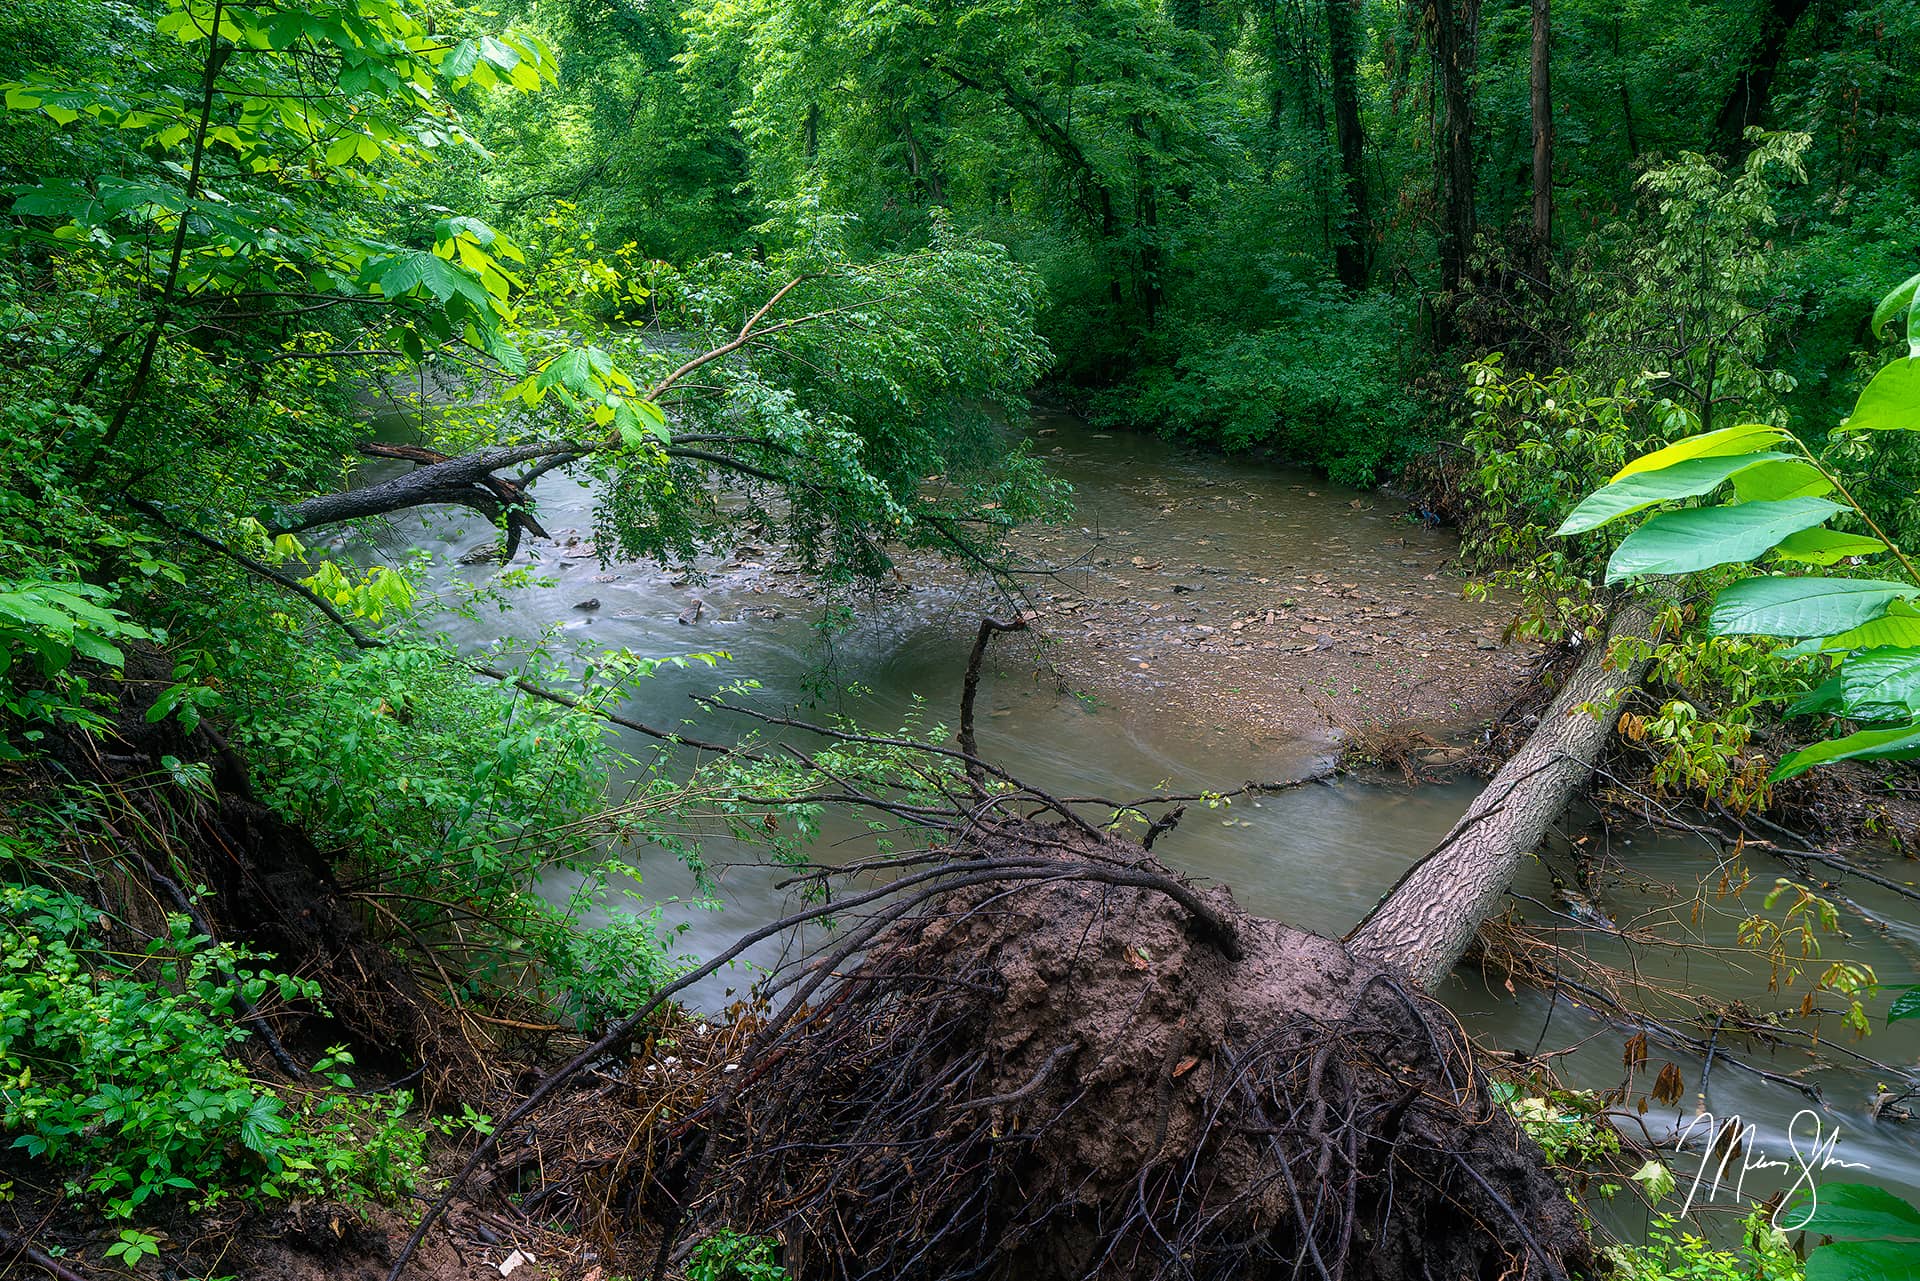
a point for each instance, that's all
(1059, 1079)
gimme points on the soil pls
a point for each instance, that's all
(1068, 1080)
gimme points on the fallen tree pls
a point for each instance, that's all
(1423, 925)
(1037, 1052)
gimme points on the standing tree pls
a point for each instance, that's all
(1350, 247)
(1453, 35)
(1752, 89)
(1540, 85)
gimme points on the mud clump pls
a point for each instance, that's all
(1061, 1080)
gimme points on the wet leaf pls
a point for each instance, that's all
(1634, 1053)
(1668, 1086)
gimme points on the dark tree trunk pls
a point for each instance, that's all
(1343, 48)
(1541, 85)
(1626, 99)
(1456, 26)
(1752, 89)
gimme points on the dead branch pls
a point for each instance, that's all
(971, 686)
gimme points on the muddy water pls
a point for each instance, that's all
(1142, 688)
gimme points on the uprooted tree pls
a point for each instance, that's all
(1033, 1050)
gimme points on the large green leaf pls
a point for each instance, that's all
(1643, 489)
(1826, 546)
(1828, 696)
(1747, 438)
(1859, 1210)
(1864, 1261)
(1900, 625)
(1891, 401)
(1901, 742)
(1771, 481)
(1880, 684)
(1702, 537)
(1901, 298)
(1905, 1006)
(1803, 606)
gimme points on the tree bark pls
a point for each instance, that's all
(1752, 89)
(1343, 50)
(1541, 87)
(1423, 925)
(1456, 25)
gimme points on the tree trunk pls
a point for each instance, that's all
(1343, 50)
(1541, 85)
(1423, 925)
(1455, 32)
(1746, 102)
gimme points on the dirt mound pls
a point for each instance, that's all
(1060, 1080)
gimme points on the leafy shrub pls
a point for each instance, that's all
(449, 790)
(1322, 386)
(727, 1255)
(1673, 1254)
(123, 1070)
(1564, 1123)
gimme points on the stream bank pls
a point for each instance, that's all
(1132, 696)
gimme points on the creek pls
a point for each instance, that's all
(1348, 616)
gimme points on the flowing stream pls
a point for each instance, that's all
(1317, 856)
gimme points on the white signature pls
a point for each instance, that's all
(1732, 1137)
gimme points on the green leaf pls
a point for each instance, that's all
(57, 200)
(1900, 298)
(1697, 538)
(1902, 742)
(1882, 683)
(1745, 439)
(1773, 481)
(1803, 606)
(655, 419)
(1682, 480)
(343, 149)
(1861, 1210)
(1905, 1006)
(459, 62)
(1826, 546)
(1900, 625)
(1828, 696)
(1891, 401)
(572, 369)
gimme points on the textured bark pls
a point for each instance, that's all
(1343, 51)
(1424, 924)
(1752, 90)
(1540, 83)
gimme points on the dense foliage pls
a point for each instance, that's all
(794, 267)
